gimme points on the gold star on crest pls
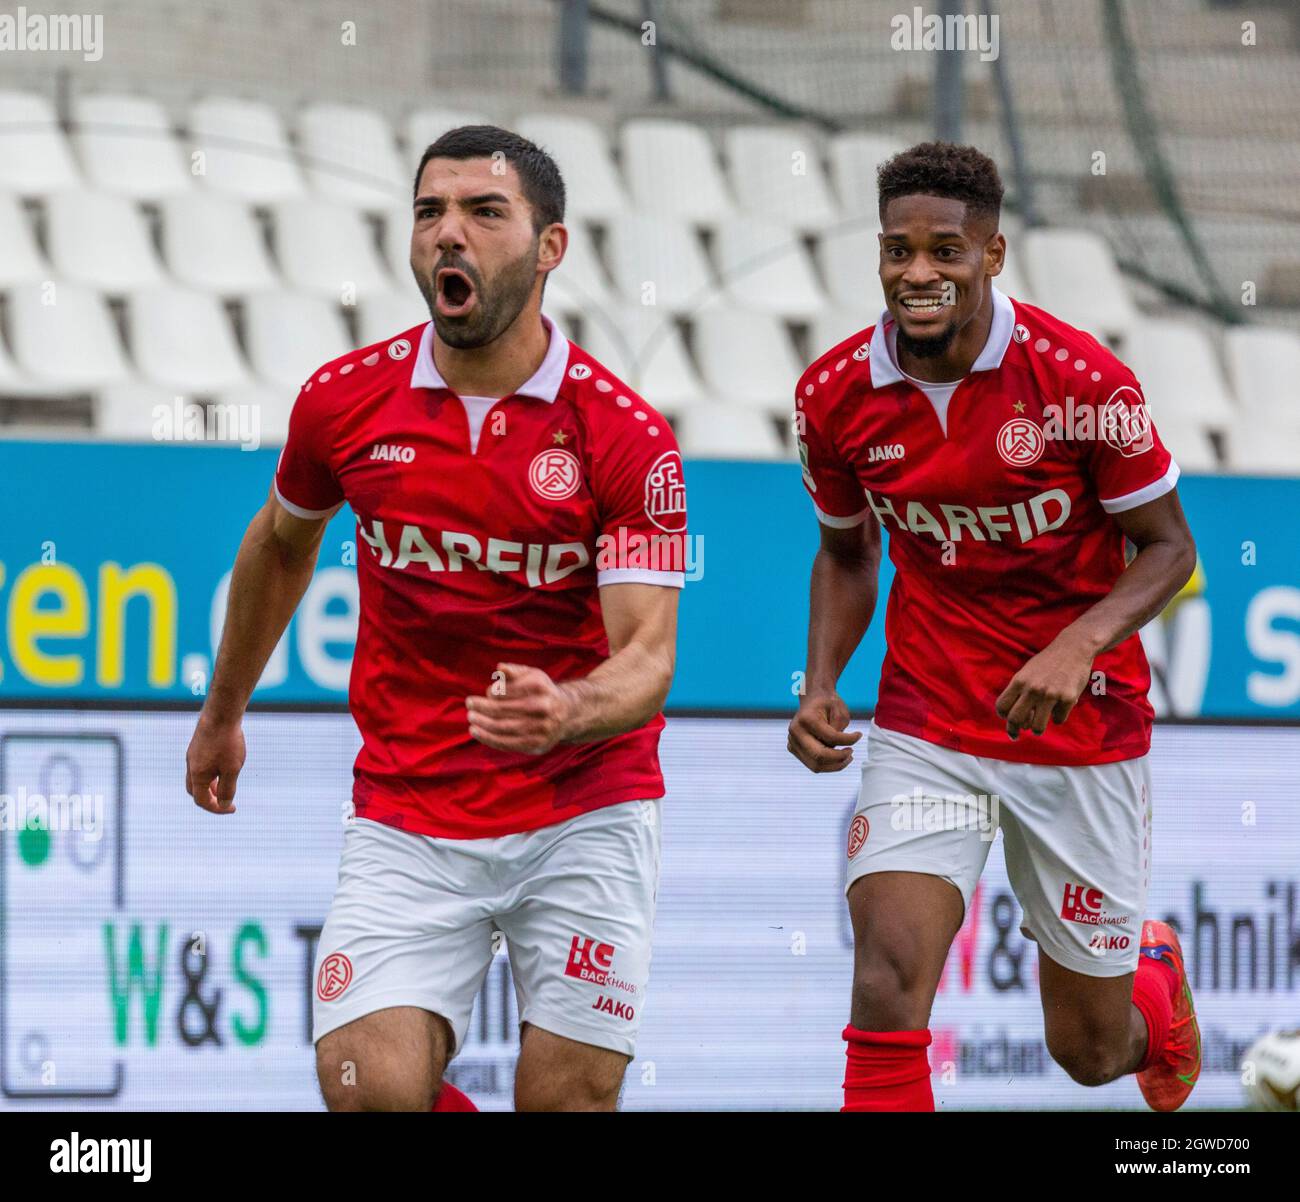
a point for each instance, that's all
(1019, 406)
(560, 437)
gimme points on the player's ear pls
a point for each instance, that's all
(995, 254)
(552, 243)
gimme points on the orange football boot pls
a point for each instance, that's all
(1166, 1084)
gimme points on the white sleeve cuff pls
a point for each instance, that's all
(639, 576)
(828, 519)
(299, 512)
(1157, 488)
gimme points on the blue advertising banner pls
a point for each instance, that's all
(114, 563)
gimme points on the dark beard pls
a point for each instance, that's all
(496, 309)
(927, 348)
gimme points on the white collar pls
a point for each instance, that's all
(884, 365)
(545, 382)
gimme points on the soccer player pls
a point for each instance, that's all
(519, 512)
(1009, 456)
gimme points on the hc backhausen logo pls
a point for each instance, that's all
(589, 960)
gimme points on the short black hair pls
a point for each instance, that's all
(539, 177)
(943, 169)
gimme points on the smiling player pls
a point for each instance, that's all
(509, 666)
(1009, 456)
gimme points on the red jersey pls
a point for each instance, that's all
(483, 536)
(1000, 527)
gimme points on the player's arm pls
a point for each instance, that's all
(1048, 686)
(845, 577)
(526, 711)
(272, 570)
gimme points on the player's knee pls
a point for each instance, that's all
(370, 1077)
(1086, 1056)
(890, 991)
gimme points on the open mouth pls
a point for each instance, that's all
(455, 292)
(923, 306)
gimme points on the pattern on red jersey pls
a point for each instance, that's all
(470, 558)
(1000, 531)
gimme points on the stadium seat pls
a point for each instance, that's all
(183, 340)
(776, 173)
(673, 171)
(127, 145)
(592, 185)
(214, 243)
(854, 158)
(246, 150)
(1189, 444)
(288, 335)
(765, 266)
(64, 337)
(747, 358)
(659, 259)
(712, 430)
(271, 407)
(424, 126)
(327, 249)
(1264, 367)
(580, 279)
(385, 314)
(1260, 447)
(20, 258)
(1074, 277)
(849, 258)
(37, 159)
(100, 239)
(1180, 374)
(351, 157)
(644, 347)
(832, 326)
(126, 412)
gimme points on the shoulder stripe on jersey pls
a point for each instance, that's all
(639, 576)
(828, 519)
(299, 512)
(1157, 488)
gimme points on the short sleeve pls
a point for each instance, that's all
(304, 482)
(836, 492)
(1128, 463)
(640, 492)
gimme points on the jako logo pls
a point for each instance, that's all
(1109, 943)
(889, 450)
(607, 1005)
(589, 960)
(76, 1155)
(388, 450)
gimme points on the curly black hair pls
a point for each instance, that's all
(943, 169)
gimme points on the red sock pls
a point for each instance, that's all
(450, 1098)
(887, 1070)
(1153, 995)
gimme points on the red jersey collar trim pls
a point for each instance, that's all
(884, 365)
(545, 381)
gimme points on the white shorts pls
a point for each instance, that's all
(1077, 840)
(413, 917)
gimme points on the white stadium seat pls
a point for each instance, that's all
(849, 258)
(351, 157)
(1189, 444)
(36, 157)
(1180, 374)
(270, 408)
(592, 185)
(125, 412)
(776, 172)
(1264, 367)
(424, 126)
(854, 158)
(580, 278)
(20, 258)
(63, 336)
(765, 266)
(127, 146)
(673, 171)
(246, 150)
(327, 249)
(659, 260)
(832, 326)
(1259, 447)
(386, 314)
(644, 347)
(747, 359)
(713, 430)
(289, 335)
(183, 340)
(214, 243)
(100, 239)
(1074, 277)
